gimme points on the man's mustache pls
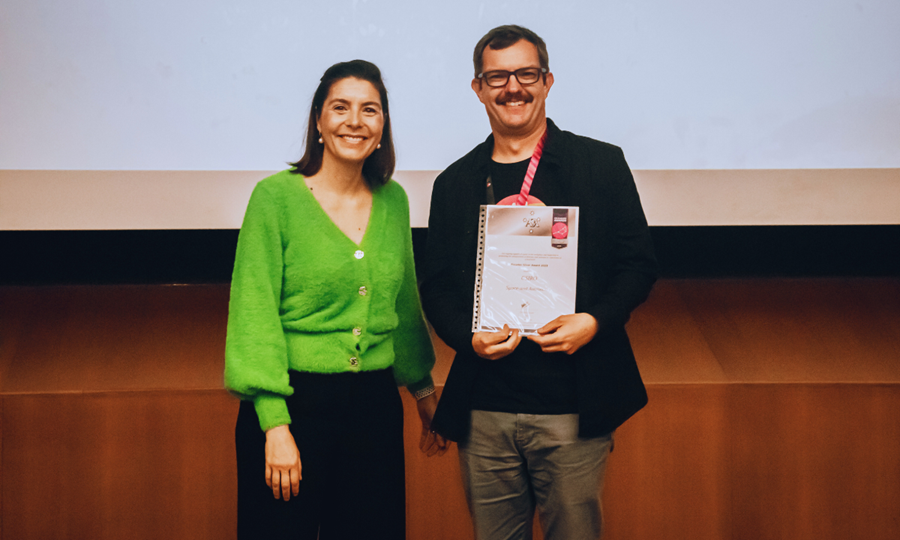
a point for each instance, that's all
(517, 96)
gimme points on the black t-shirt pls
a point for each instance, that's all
(528, 381)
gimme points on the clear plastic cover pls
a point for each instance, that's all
(527, 267)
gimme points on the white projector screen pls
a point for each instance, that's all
(210, 85)
(133, 114)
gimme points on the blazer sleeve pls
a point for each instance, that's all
(634, 269)
(446, 292)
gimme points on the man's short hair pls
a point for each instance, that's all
(506, 36)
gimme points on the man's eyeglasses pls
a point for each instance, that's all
(500, 77)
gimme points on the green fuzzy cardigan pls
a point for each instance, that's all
(306, 297)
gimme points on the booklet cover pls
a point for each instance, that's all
(527, 267)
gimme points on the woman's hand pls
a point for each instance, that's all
(430, 443)
(282, 463)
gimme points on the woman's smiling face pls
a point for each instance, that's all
(351, 121)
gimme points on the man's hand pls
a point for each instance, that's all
(566, 333)
(282, 463)
(495, 345)
(430, 442)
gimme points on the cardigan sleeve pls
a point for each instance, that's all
(413, 351)
(256, 363)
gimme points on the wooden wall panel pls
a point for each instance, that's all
(742, 330)
(758, 462)
(813, 462)
(798, 330)
(435, 501)
(703, 461)
(668, 341)
(129, 337)
(773, 414)
(2, 467)
(668, 474)
(121, 465)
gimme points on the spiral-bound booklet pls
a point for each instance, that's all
(527, 267)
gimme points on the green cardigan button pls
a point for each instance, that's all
(363, 291)
(354, 361)
(359, 254)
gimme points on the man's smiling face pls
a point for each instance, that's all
(514, 110)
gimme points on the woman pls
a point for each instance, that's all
(324, 322)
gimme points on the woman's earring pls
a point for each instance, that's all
(377, 147)
(321, 141)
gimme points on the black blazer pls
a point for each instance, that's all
(616, 270)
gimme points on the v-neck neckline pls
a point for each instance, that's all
(308, 192)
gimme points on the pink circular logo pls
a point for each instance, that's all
(559, 230)
(511, 201)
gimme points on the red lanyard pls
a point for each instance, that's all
(532, 168)
(522, 199)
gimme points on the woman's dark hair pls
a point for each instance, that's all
(379, 166)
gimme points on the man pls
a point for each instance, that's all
(534, 417)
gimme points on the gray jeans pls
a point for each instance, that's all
(513, 463)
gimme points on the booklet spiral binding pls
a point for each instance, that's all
(479, 267)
